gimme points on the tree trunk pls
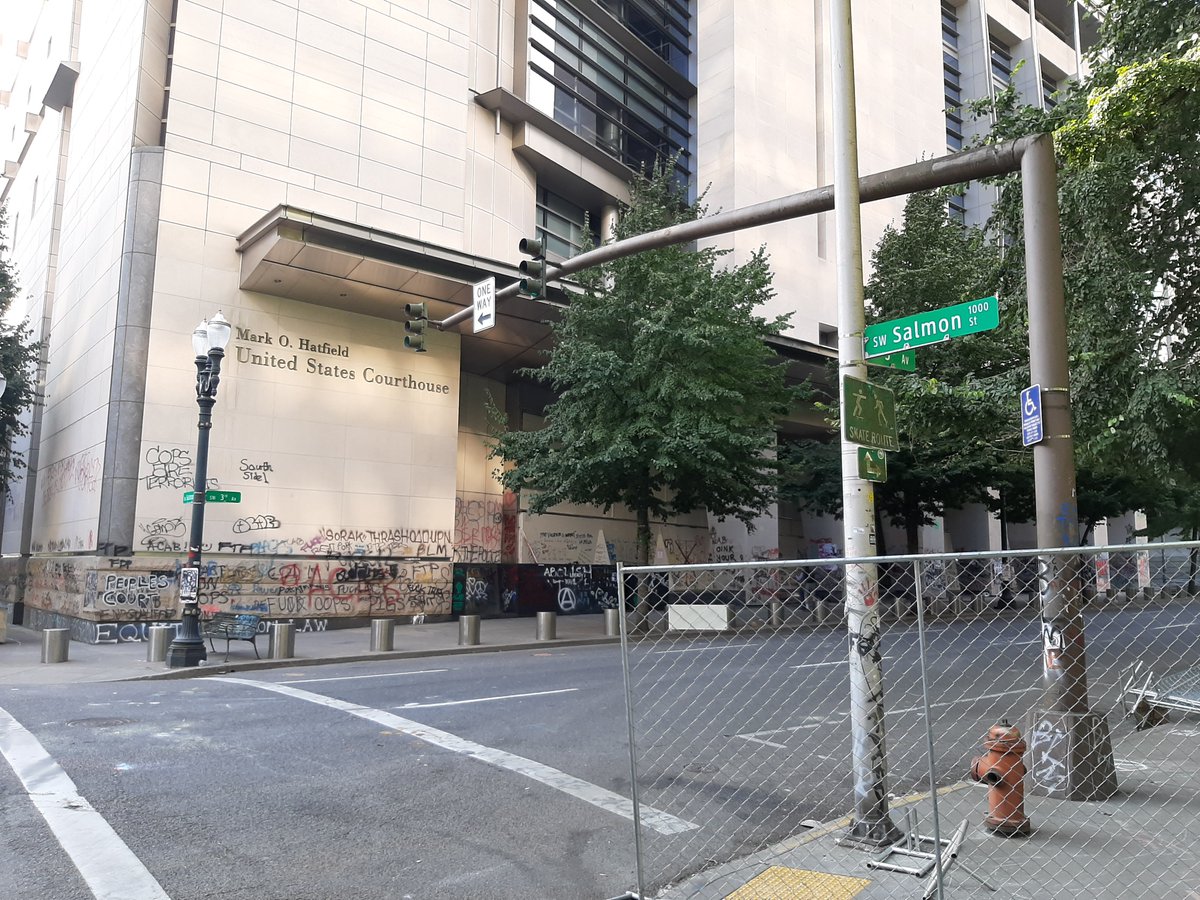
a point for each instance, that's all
(643, 536)
(912, 528)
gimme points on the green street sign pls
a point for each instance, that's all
(214, 496)
(872, 465)
(869, 414)
(904, 360)
(932, 327)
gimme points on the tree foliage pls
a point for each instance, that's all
(954, 436)
(1128, 140)
(667, 395)
(18, 363)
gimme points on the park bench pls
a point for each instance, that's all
(231, 627)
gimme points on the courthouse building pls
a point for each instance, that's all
(306, 168)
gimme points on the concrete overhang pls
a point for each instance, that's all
(302, 255)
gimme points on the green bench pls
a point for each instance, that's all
(231, 627)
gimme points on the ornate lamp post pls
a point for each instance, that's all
(208, 341)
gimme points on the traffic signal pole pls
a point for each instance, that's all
(1070, 750)
(871, 825)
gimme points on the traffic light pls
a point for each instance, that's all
(533, 271)
(418, 320)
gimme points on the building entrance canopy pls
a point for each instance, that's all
(305, 256)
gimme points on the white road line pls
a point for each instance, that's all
(746, 737)
(662, 822)
(107, 865)
(709, 647)
(836, 662)
(352, 677)
(480, 699)
(896, 712)
(1180, 625)
(817, 721)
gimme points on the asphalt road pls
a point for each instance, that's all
(498, 775)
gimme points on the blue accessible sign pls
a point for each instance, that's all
(1032, 431)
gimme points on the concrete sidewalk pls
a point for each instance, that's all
(1138, 844)
(20, 656)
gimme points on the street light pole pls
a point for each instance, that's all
(208, 342)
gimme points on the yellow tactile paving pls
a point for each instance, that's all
(782, 883)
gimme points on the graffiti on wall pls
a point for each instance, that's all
(80, 472)
(522, 590)
(478, 527)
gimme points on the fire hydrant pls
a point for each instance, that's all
(1003, 770)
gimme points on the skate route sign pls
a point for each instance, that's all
(872, 465)
(869, 415)
(932, 327)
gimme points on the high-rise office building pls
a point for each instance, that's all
(307, 167)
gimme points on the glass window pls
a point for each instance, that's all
(560, 224)
(586, 82)
(951, 77)
(1049, 89)
(1002, 64)
(662, 25)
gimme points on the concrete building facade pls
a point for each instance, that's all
(307, 167)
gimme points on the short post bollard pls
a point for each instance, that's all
(547, 626)
(283, 640)
(158, 637)
(383, 634)
(612, 622)
(776, 613)
(821, 611)
(55, 642)
(3, 626)
(468, 630)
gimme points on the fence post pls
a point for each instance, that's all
(933, 787)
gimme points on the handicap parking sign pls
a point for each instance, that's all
(1031, 415)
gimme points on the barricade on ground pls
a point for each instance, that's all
(745, 730)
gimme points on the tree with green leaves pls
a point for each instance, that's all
(1128, 140)
(954, 434)
(667, 394)
(18, 365)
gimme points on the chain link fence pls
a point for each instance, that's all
(748, 764)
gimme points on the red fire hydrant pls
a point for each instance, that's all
(1002, 769)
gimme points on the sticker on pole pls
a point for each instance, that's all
(1032, 431)
(484, 304)
(189, 583)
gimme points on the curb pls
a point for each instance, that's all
(255, 665)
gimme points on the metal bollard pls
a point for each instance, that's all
(55, 642)
(3, 626)
(468, 631)
(776, 613)
(821, 611)
(383, 634)
(283, 641)
(158, 637)
(612, 622)
(547, 626)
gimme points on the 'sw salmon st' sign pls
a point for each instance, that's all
(932, 327)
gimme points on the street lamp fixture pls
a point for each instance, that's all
(208, 343)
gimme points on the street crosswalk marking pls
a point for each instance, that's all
(663, 823)
(105, 862)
